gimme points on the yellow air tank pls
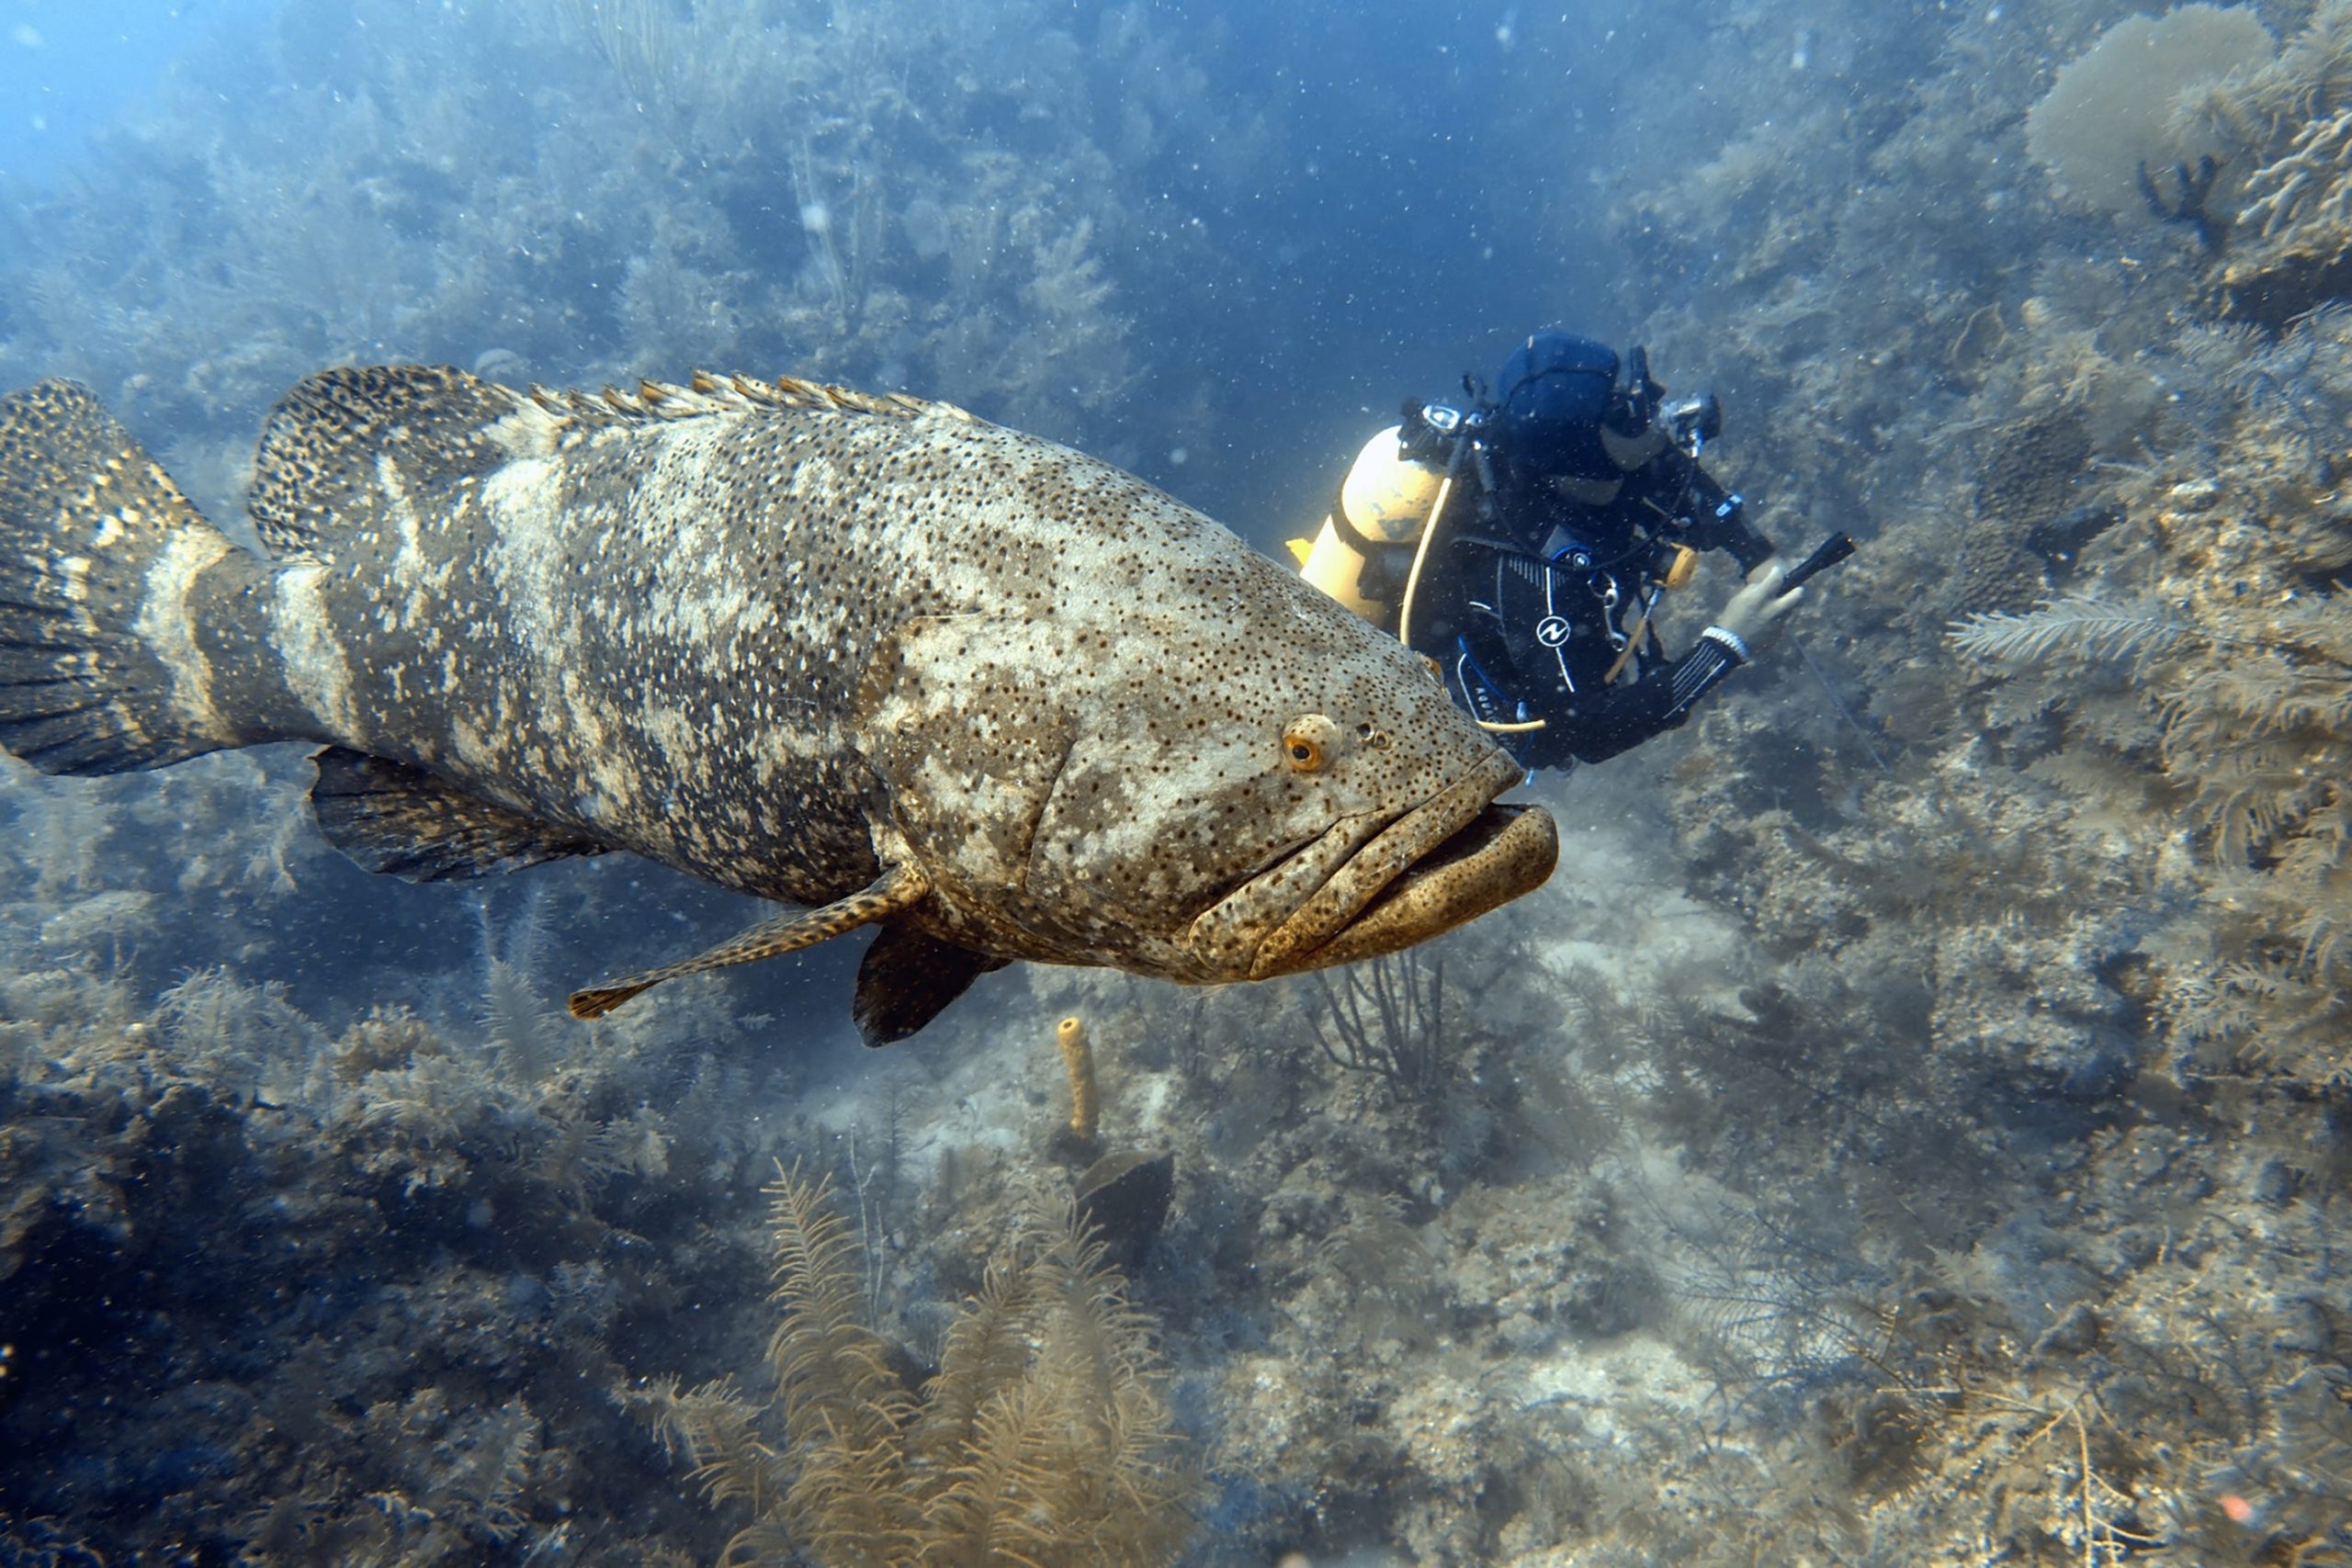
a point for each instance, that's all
(1386, 498)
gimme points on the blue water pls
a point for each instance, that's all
(69, 68)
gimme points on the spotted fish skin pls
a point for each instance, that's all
(806, 643)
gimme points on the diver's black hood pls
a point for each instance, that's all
(1551, 396)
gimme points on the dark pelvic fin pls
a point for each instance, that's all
(895, 890)
(419, 827)
(907, 978)
(90, 529)
(318, 473)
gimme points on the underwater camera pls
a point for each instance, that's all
(1690, 422)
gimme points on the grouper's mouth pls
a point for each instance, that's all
(1448, 861)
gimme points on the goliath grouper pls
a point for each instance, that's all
(866, 655)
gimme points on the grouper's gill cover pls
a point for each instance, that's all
(865, 655)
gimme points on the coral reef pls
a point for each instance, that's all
(2206, 675)
(280, 1296)
(889, 196)
(2104, 860)
(2111, 113)
(2295, 249)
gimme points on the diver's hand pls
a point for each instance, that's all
(1750, 617)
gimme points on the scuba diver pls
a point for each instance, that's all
(1522, 544)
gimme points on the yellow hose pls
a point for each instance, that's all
(1420, 554)
(1625, 654)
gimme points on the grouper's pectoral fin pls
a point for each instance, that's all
(414, 825)
(897, 889)
(907, 978)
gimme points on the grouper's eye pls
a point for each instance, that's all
(1309, 742)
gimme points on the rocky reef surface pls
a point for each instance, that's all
(1916, 1125)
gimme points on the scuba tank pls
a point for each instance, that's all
(1380, 511)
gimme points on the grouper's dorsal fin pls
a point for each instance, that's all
(411, 824)
(705, 395)
(357, 448)
(340, 448)
(897, 889)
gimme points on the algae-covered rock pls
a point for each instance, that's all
(1125, 1195)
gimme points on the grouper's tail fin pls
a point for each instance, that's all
(98, 552)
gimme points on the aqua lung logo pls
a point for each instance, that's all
(1551, 631)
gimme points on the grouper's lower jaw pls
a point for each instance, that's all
(1509, 850)
(1450, 860)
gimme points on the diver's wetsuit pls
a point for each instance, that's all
(1535, 595)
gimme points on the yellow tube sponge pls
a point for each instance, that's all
(1078, 1057)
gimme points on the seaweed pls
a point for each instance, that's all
(1043, 1434)
(698, 183)
(2076, 628)
(2225, 666)
(285, 1293)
